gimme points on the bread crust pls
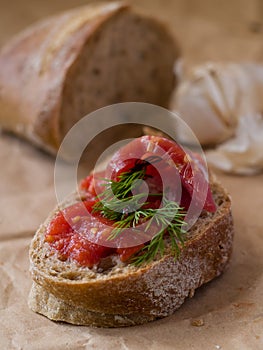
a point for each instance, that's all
(35, 66)
(134, 295)
(37, 60)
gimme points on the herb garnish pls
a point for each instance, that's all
(118, 204)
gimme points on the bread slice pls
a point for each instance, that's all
(122, 294)
(66, 66)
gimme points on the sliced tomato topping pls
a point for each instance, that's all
(78, 233)
(69, 232)
(189, 166)
(126, 253)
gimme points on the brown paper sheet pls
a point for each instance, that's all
(227, 313)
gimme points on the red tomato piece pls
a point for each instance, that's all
(126, 253)
(189, 166)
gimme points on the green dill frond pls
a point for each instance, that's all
(118, 204)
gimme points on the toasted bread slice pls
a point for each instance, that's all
(122, 294)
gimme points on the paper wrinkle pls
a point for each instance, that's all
(6, 290)
(26, 186)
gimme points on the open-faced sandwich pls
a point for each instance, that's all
(135, 241)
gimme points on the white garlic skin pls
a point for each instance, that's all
(223, 104)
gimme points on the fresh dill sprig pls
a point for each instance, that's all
(118, 204)
(117, 200)
(169, 220)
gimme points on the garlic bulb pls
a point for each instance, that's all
(222, 103)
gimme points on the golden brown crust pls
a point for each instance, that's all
(137, 294)
(36, 64)
(56, 309)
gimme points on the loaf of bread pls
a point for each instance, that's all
(123, 294)
(68, 65)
